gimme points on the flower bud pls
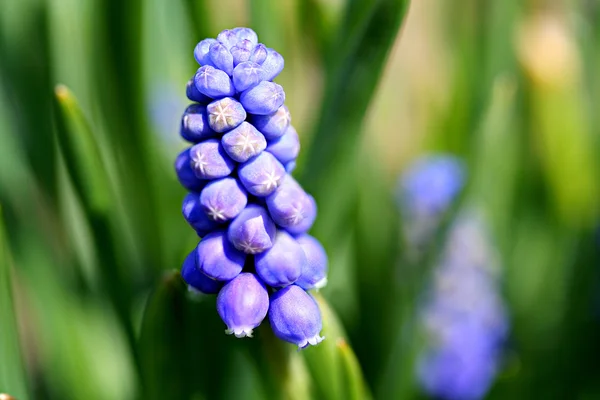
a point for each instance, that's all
(259, 54)
(272, 65)
(287, 147)
(314, 275)
(246, 75)
(213, 82)
(246, 34)
(196, 279)
(273, 125)
(223, 199)
(209, 160)
(185, 174)
(225, 114)
(192, 93)
(263, 99)
(241, 52)
(243, 304)
(291, 207)
(217, 258)
(227, 38)
(290, 167)
(253, 231)
(262, 174)
(243, 142)
(194, 124)
(201, 52)
(195, 216)
(282, 264)
(295, 317)
(221, 58)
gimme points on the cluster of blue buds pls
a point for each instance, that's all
(463, 314)
(251, 214)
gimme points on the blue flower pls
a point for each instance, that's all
(223, 199)
(263, 99)
(314, 274)
(242, 200)
(195, 125)
(273, 125)
(209, 160)
(282, 264)
(217, 258)
(243, 142)
(253, 231)
(243, 304)
(225, 114)
(295, 317)
(195, 279)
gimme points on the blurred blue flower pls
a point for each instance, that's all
(462, 314)
(425, 191)
(243, 149)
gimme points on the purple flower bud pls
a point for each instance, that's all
(246, 34)
(209, 160)
(246, 75)
(195, 216)
(213, 82)
(194, 124)
(217, 259)
(282, 264)
(272, 65)
(192, 93)
(263, 99)
(241, 52)
(291, 207)
(243, 304)
(243, 142)
(262, 174)
(221, 58)
(290, 167)
(287, 147)
(185, 174)
(223, 199)
(314, 275)
(201, 51)
(259, 54)
(295, 317)
(253, 231)
(228, 38)
(225, 114)
(196, 279)
(273, 125)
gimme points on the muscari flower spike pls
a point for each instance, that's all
(463, 316)
(252, 216)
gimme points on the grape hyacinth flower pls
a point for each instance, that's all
(463, 314)
(252, 216)
(425, 192)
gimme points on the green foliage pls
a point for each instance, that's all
(91, 236)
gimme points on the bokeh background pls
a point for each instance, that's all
(91, 93)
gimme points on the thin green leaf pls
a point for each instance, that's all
(354, 381)
(13, 379)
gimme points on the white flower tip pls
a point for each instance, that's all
(240, 332)
(315, 340)
(320, 284)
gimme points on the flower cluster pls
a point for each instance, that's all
(463, 314)
(249, 211)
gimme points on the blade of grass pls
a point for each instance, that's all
(13, 379)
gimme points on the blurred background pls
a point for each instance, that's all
(91, 232)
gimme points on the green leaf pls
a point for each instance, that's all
(12, 372)
(349, 90)
(332, 364)
(81, 152)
